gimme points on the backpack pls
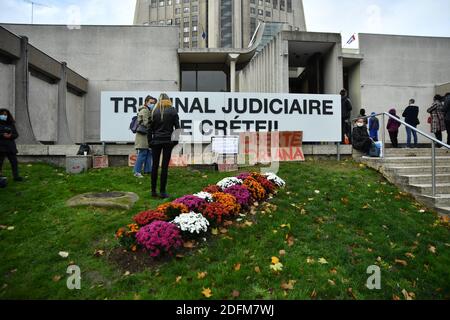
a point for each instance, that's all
(375, 151)
(84, 148)
(134, 124)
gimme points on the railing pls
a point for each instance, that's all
(433, 140)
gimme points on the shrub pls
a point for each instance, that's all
(229, 182)
(127, 236)
(159, 238)
(215, 212)
(228, 201)
(241, 193)
(191, 223)
(146, 217)
(272, 177)
(192, 202)
(205, 195)
(243, 176)
(257, 191)
(212, 189)
(268, 186)
(172, 210)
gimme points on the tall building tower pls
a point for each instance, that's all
(218, 23)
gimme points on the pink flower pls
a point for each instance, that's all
(160, 237)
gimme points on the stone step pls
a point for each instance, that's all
(391, 161)
(411, 170)
(443, 210)
(423, 178)
(415, 152)
(440, 200)
(426, 189)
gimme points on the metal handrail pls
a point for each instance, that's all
(433, 143)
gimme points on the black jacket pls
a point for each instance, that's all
(162, 128)
(411, 115)
(447, 109)
(8, 145)
(346, 107)
(361, 140)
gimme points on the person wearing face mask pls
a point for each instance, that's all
(361, 140)
(8, 148)
(144, 157)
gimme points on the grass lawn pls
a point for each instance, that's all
(325, 240)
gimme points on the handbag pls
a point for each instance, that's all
(142, 129)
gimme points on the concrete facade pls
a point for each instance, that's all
(128, 58)
(397, 68)
(245, 16)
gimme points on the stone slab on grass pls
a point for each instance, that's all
(113, 200)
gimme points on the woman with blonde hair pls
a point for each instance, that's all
(163, 121)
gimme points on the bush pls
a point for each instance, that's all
(127, 236)
(160, 238)
(192, 202)
(172, 210)
(212, 189)
(215, 212)
(228, 201)
(268, 186)
(257, 191)
(191, 223)
(229, 182)
(146, 217)
(241, 193)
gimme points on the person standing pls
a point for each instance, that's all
(392, 127)
(411, 115)
(437, 114)
(163, 121)
(374, 126)
(447, 115)
(8, 148)
(144, 157)
(347, 108)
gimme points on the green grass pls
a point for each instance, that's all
(357, 218)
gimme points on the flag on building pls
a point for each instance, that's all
(352, 38)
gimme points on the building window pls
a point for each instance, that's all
(194, 34)
(282, 5)
(275, 4)
(194, 44)
(186, 1)
(186, 35)
(186, 40)
(177, 21)
(186, 19)
(186, 45)
(268, 14)
(252, 10)
(195, 23)
(194, 8)
(253, 1)
(169, 22)
(177, 10)
(203, 78)
(186, 10)
(289, 5)
(186, 29)
(153, 3)
(194, 28)
(260, 2)
(226, 23)
(161, 21)
(260, 12)
(161, 3)
(194, 18)
(268, 1)
(177, 1)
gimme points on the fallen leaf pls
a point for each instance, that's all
(323, 261)
(63, 254)
(202, 275)
(303, 212)
(351, 294)
(432, 249)
(179, 279)
(257, 270)
(237, 267)
(235, 294)
(277, 267)
(188, 244)
(345, 201)
(290, 241)
(227, 223)
(179, 256)
(407, 295)
(2, 227)
(127, 273)
(401, 262)
(10, 228)
(331, 282)
(248, 223)
(289, 285)
(313, 294)
(275, 260)
(223, 230)
(56, 278)
(214, 231)
(317, 191)
(207, 292)
(333, 271)
(310, 260)
(282, 253)
(99, 253)
(395, 297)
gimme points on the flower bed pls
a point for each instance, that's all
(192, 215)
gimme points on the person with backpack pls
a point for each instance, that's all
(8, 148)
(163, 121)
(374, 126)
(392, 127)
(140, 127)
(411, 115)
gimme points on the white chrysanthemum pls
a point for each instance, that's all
(275, 179)
(229, 182)
(192, 222)
(205, 195)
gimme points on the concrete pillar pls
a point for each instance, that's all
(232, 57)
(23, 121)
(63, 134)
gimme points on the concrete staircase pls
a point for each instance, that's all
(410, 169)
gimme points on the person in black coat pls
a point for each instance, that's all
(411, 115)
(163, 121)
(361, 139)
(347, 108)
(8, 148)
(447, 115)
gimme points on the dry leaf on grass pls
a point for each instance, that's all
(257, 269)
(202, 275)
(288, 285)
(207, 292)
(401, 262)
(178, 279)
(323, 261)
(237, 267)
(235, 294)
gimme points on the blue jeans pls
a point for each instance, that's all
(144, 158)
(408, 137)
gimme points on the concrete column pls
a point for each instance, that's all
(232, 57)
(23, 121)
(63, 134)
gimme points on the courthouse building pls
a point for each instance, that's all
(52, 76)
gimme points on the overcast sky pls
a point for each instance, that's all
(408, 17)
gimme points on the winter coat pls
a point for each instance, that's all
(361, 140)
(447, 108)
(411, 115)
(141, 141)
(162, 127)
(437, 117)
(393, 125)
(346, 108)
(374, 126)
(8, 145)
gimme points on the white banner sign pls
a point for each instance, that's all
(207, 114)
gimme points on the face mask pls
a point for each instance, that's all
(151, 105)
(359, 124)
(3, 117)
